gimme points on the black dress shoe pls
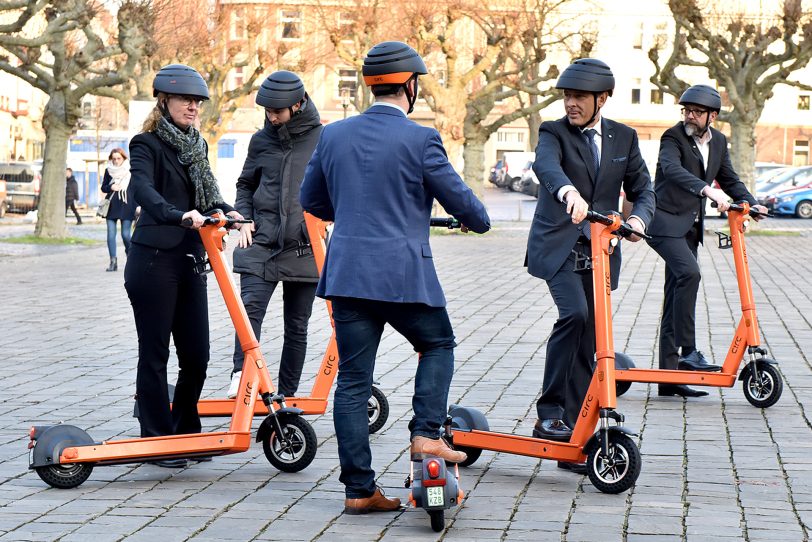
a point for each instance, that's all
(201, 459)
(576, 468)
(170, 463)
(667, 390)
(552, 429)
(695, 361)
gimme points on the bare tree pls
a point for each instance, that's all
(59, 48)
(216, 39)
(746, 54)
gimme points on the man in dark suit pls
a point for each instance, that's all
(692, 155)
(582, 161)
(376, 175)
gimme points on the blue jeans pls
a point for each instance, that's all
(359, 324)
(126, 234)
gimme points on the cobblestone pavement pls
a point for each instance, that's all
(714, 468)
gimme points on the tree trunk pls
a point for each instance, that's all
(474, 170)
(51, 213)
(533, 123)
(743, 150)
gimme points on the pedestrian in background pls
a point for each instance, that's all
(276, 247)
(116, 184)
(71, 194)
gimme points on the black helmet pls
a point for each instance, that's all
(392, 63)
(280, 90)
(180, 79)
(702, 95)
(588, 74)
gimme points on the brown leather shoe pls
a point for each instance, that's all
(376, 503)
(423, 446)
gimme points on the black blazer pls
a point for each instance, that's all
(563, 158)
(681, 176)
(162, 187)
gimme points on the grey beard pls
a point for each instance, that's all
(690, 129)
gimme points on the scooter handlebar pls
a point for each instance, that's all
(448, 222)
(214, 220)
(624, 230)
(738, 207)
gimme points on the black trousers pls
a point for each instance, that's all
(297, 299)
(168, 299)
(571, 347)
(70, 205)
(682, 277)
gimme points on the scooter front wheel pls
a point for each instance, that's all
(618, 470)
(377, 410)
(66, 476)
(437, 520)
(295, 448)
(763, 390)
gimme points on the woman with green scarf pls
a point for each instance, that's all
(171, 181)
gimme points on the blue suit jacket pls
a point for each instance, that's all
(375, 175)
(562, 158)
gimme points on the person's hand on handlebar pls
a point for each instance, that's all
(762, 210)
(714, 194)
(196, 218)
(576, 206)
(637, 225)
(236, 216)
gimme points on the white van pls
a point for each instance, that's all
(515, 165)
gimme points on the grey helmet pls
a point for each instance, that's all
(393, 64)
(703, 95)
(280, 90)
(587, 74)
(180, 79)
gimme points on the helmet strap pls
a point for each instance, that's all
(412, 97)
(594, 111)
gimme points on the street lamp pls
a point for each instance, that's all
(345, 100)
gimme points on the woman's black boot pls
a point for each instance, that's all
(113, 265)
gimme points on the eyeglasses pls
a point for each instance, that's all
(691, 112)
(188, 100)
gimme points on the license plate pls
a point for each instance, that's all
(435, 495)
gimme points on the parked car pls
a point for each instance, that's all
(3, 199)
(497, 172)
(796, 177)
(516, 164)
(797, 201)
(763, 168)
(22, 184)
(529, 183)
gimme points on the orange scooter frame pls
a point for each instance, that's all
(612, 457)
(316, 402)
(761, 381)
(64, 455)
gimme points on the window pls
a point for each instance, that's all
(238, 75)
(800, 154)
(87, 109)
(504, 136)
(347, 83)
(291, 25)
(656, 96)
(803, 102)
(345, 24)
(238, 26)
(637, 38)
(635, 91)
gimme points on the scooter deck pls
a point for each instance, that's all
(140, 450)
(665, 376)
(519, 445)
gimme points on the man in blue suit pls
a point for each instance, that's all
(376, 175)
(582, 161)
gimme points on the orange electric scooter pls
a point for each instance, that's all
(64, 455)
(612, 457)
(316, 402)
(761, 381)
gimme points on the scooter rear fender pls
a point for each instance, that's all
(51, 440)
(467, 418)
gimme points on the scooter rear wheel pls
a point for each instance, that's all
(66, 476)
(295, 449)
(617, 471)
(377, 410)
(765, 391)
(437, 520)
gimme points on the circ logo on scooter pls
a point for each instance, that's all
(328, 367)
(587, 405)
(246, 399)
(736, 344)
